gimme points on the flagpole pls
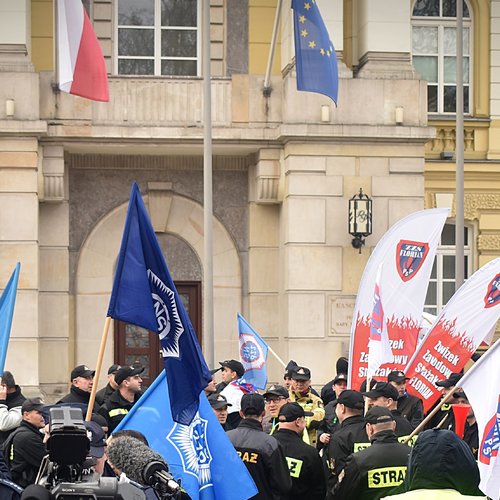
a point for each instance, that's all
(208, 278)
(276, 356)
(272, 49)
(98, 368)
(459, 154)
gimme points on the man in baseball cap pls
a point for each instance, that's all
(11, 399)
(82, 379)
(233, 390)
(219, 405)
(448, 385)
(125, 396)
(308, 480)
(102, 395)
(408, 405)
(275, 397)
(261, 454)
(331, 423)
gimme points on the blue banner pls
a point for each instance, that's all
(144, 294)
(200, 455)
(315, 55)
(7, 303)
(253, 354)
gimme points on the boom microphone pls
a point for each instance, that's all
(140, 463)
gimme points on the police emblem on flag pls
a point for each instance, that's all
(410, 255)
(491, 438)
(170, 327)
(190, 442)
(493, 295)
(251, 353)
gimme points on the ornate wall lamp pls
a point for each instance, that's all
(360, 218)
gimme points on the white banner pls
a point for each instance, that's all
(482, 387)
(406, 252)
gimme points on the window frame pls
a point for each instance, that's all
(441, 23)
(449, 250)
(157, 57)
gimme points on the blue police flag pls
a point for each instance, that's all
(7, 302)
(200, 455)
(253, 354)
(315, 55)
(144, 294)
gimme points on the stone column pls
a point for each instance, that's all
(384, 38)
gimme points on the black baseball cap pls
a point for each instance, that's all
(81, 371)
(341, 377)
(289, 369)
(378, 415)
(113, 369)
(397, 376)
(126, 372)
(215, 370)
(277, 390)
(31, 404)
(301, 373)
(252, 403)
(8, 379)
(218, 401)
(351, 399)
(384, 389)
(450, 381)
(460, 394)
(292, 411)
(95, 434)
(234, 365)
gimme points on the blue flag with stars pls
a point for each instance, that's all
(253, 354)
(199, 455)
(315, 56)
(145, 295)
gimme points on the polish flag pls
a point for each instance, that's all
(81, 66)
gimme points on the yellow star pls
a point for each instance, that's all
(328, 53)
(307, 6)
(312, 44)
(322, 52)
(302, 19)
(304, 33)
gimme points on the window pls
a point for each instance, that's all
(434, 52)
(157, 37)
(442, 282)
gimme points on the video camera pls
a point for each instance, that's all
(63, 473)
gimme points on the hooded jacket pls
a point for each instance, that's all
(440, 460)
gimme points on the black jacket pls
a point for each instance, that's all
(350, 438)
(115, 409)
(13, 400)
(403, 426)
(330, 423)
(76, 395)
(306, 469)
(411, 408)
(371, 473)
(103, 395)
(444, 411)
(24, 451)
(264, 459)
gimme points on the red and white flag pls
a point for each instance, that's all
(457, 332)
(407, 252)
(379, 347)
(81, 66)
(482, 387)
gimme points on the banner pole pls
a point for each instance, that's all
(430, 415)
(272, 50)
(276, 356)
(98, 367)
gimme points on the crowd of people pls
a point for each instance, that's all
(295, 443)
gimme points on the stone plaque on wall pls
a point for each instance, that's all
(341, 311)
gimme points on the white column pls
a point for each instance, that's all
(384, 38)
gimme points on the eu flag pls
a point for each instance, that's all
(315, 56)
(200, 455)
(144, 294)
(7, 302)
(253, 354)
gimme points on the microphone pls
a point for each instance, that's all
(140, 463)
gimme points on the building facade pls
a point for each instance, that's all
(284, 168)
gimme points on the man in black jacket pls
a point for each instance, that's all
(371, 473)
(82, 379)
(11, 400)
(126, 395)
(409, 406)
(103, 395)
(351, 436)
(261, 453)
(24, 448)
(306, 470)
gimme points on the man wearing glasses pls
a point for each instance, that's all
(275, 397)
